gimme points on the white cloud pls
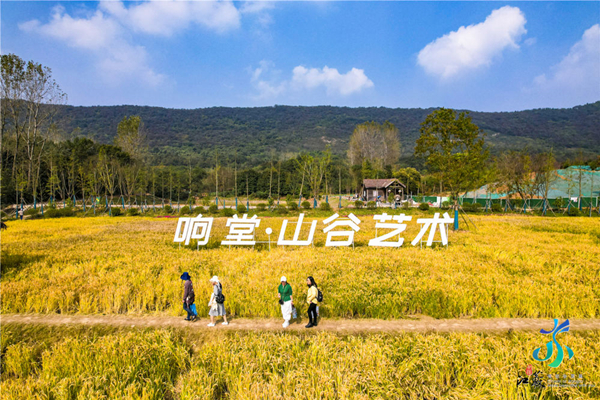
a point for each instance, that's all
(266, 80)
(93, 33)
(102, 35)
(576, 78)
(253, 7)
(168, 17)
(129, 62)
(530, 41)
(352, 81)
(106, 31)
(474, 46)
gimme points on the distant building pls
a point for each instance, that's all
(382, 189)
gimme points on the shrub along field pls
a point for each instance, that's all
(510, 266)
(94, 363)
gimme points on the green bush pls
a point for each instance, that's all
(52, 213)
(198, 210)
(446, 204)
(560, 202)
(306, 205)
(261, 206)
(115, 211)
(292, 205)
(496, 208)
(358, 204)
(371, 205)
(517, 203)
(242, 209)
(280, 209)
(475, 207)
(134, 211)
(424, 206)
(325, 206)
(58, 213)
(168, 209)
(184, 210)
(213, 209)
(574, 212)
(270, 202)
(31, 211)
(228, 212)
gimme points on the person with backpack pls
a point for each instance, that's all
(216, 303)
(188, 296)
(312, 300)
(285, 300)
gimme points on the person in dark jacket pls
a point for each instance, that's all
(188, 296)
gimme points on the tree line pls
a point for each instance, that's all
(40, 165)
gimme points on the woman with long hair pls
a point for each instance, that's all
(311, 299)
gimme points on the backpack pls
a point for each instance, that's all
(220, 298)
(319, 295)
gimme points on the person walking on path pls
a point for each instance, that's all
(311, 299)
(217, 308)
(188, 296)
(286, 301)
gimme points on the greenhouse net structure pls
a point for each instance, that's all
(573, 187)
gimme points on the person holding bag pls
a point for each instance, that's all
(311, 299)
(188, 297)
(217, 308)
(285, 300)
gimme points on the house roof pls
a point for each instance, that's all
(380, 183)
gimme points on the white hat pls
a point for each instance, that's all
(214, 279)
(283, 279)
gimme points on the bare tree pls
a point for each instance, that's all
(515, 174)
(29, 96)
(107, 169)
(378, 143)
(545, 174)
(131, 138)
(314, 168)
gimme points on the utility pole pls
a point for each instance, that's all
(279, 182)
(235, 179)
(217, 179)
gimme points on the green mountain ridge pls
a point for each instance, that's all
(251, 134)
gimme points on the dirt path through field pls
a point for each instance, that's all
(415, 324)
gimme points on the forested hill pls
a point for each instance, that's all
(175, 134)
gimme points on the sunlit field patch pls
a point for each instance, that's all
(84, 362)
(510, 266)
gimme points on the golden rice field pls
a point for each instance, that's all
(108, 363)
(511, 266)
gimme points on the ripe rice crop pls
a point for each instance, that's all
(94, 363)
(510, 266)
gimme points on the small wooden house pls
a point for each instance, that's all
(382, 189)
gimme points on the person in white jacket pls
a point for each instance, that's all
(216, 309)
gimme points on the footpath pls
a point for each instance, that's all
(411, 324)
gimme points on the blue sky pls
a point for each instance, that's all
(485, 56)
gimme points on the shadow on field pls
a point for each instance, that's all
(13, 262)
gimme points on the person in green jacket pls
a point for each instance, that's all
(286, 301)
